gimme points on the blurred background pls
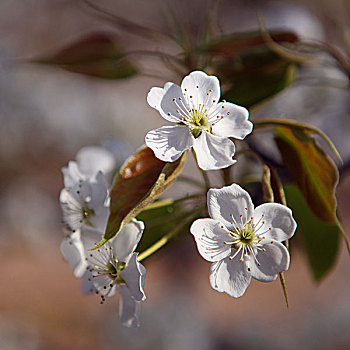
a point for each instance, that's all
(47, 114)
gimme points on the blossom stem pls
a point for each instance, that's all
(164, 240)
(204, 174)
(284, 287)
(226, 176)
(266, 185)
(191, 181)
(269, 197)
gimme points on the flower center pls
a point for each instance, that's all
(87, 212)
(107, 265)
(198, 113)
(104, 265)
(198, 121)
(246, 237)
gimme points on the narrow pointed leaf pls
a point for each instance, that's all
(140, 181)
(235, 44)
(320, 241)
(255, 77)
(312, 170)
(97, 55)
(248, 69)
(159, 218)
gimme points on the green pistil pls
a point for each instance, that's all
(196, 132)
(120, 267)
(199, 123)
(112, 270)
(87, 212)
(246, 236)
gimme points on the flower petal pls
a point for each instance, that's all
(72, 175)
(276, 217)
(104, 285)
(73, 251)
(71, 205)
(90, 237)
(133, 275)
(213, 152)
(210, 237)
(87, 285)
(273, 260)
(127, 239)
(204, 89)
(129, 308)
(230, 276)
(235, 122)
(169, 142)
(168, 101)
(230, 201)
(92, 159)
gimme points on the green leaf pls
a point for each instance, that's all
(290, 123)
(140, 181)
(96, 55)
(159, 218)
(255, 77)
(320, 241)
(311, 169)
(248, 69)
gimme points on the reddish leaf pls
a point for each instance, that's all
(239, 43)
(140, 181)
(312, 170)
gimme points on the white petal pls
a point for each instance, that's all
(154, 97)
(72, 175)
(133, 275)
(230, 276)
(273, 260)
(98, 190)
(71, 206)
(129, 308)
(168, 101)
(73, 251)
(213, 152)
(235, 122)
(127, 239)
(199, 86)
(90, 237)
(92, 159)
(210, 238)
(104, 285)
(230, 201)
(278, 218)
(87, 286)
(169, 142)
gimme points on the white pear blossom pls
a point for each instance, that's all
(92, 159)
(85, 202)
(242, 242)
(113, 267)
(202, 122)
(89, 161)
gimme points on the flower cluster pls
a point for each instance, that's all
(85, 208)
(241, 242)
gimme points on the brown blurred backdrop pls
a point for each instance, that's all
(47, 114)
